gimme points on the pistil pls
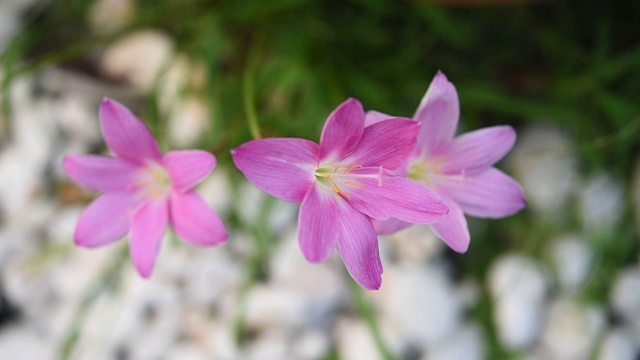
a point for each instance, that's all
(343, 173)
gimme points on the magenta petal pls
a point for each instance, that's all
(282, 167)
(387, 143)
(127, 136)
(318, 225)
(105, 220)
(358, 248)
(100, 173)
(342, 130)
(491, 194)
(194, 221)
(389, 226)
(147, 230)
(439, 111)
(453, 229)
(373, 117)
(187, 168)
(477, 151)
(397, 197)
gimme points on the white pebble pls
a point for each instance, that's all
(468, 343)
(311, 345)
(216, 191)
(249, 202)
(601, 202)
(619, 344)
(322, 286)
(138, 58)
(419, 304)
(271, 306)
(354, 341)
(572, 330)
(415, 245)
(271, 345)
(572, 257)
(545, 163)
(518, 288)
(22, 342)
(106, 16)
(188, 122)
(625, 295)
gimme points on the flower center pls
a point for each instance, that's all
(339, 178)
(427, 171)
(153, 181)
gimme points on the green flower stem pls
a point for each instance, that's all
(257, 264)
(248, 85)
(107, 280)
(367, 312)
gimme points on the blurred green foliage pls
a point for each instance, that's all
(571, 63)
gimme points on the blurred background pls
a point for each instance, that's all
(560, 280)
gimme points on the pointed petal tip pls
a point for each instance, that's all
(352, 101)
(313, 258)
(354, 104)
(440, 76)
(126, 135)
(107, 102)
(460, 248)
(372, 283)
(143, 272)
(374, 287)
(522, 205)
(81, 242)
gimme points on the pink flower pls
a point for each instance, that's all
(343, 183)
(142, 191)
(459, 169)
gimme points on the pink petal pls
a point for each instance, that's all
(373, 117)
(282, 167)
(397, 197)
(105, 220)
(147, 229)
(389, 226)
(127, 136)
(439, 111)
(476, 151)
(343, 130)
(358, 248)
(491, 194)
(100, 173)
(453, 228)
(387, 143)
(187, 168)
(194, 221)
(318, 225)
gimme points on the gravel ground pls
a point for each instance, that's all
(57, 300)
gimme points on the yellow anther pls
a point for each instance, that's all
(338, 167)
(352, 167)
(337, 191)
(355, 184)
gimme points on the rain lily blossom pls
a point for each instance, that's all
(343, 183)
(142, 191)
(460, 169)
